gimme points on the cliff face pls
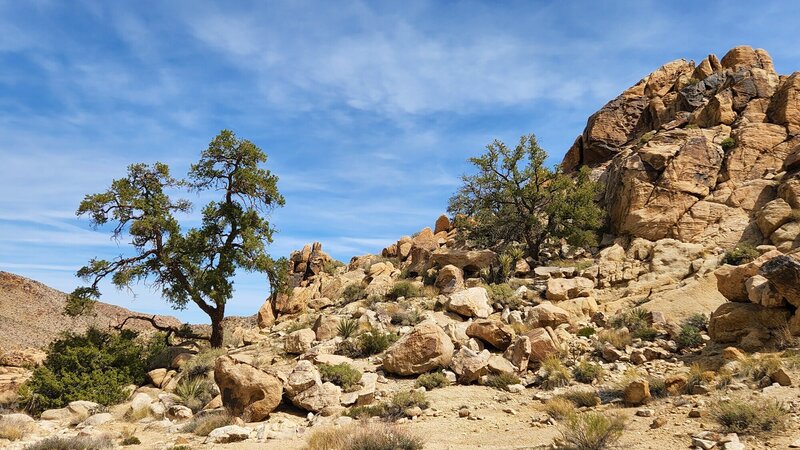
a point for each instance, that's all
(703, 153)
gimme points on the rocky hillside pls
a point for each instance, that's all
(682, 324)
(31, 314)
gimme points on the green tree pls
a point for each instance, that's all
(514, 197)
(196, 265)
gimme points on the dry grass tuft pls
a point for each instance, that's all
(372, 436)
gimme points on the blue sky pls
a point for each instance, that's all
(367, 110)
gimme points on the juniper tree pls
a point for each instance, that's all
(196, 265)
(515, 197)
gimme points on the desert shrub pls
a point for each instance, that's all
(559, 408)
(647, 333)
(590, 431)
(207, 423)
(94, 366)
(658, 386)
(617, 338)
(756, 367)
(697, 376)
(748, 417)
(741, 254)
(688, 337)
(502, 381)
(195, 392)
(374, 341)
(632, 319)
(156, 351)
(392, 410)
(582, 397)
(728, 143)
(404, 289)
(347, 327)
(503, 294)
(586, 371)
(131, 440)
(200, 364)
(343, 375)
(13, 429)
(72, 443)
(349, 348)
(697, 320)
(354, 292)
(585, 331)
(330, 267)
(374, 436)
(432, 380)
(554, 373)
(407, 317)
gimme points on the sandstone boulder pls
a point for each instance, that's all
(425, 348)
(748, 325)
(519, 353)
(449, 279)
(760, 291)
(637, 393)
(731, 279)
(246, 391)
(472, 302)
(299, 341)
(774, 215)
(442, 225)
(783, 272)
(784, 109)
(546, 314)
(494, 333)
(469, 261)
(542, 344)
(567, 288)
(470, 365)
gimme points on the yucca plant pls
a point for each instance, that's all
(347, 328)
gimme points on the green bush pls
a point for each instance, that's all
(590, 431)
(698, 320)
(393, 410)
(554, 373)
(647, 333)
(728, 143)
(200, 364)
(343, 375)
(404, 289)
(688, 337)
(587, 372)
(207, 423)
(195, 392)
(94, 366)
(374, 342)
(347, 328)
(131, 440)
(407, 317)
(72, 443)
(749, 417)
(330, 267)
(503, 294)
(432, 380)
(632, 319)
(586, 331)
(741, 254)
(502, 381)
(354, 292)
(582, 398)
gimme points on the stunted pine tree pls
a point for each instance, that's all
(515, 197)
(196, 265)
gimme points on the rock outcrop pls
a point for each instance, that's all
(246, 391)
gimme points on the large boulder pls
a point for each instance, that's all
(470, 261)
(299, 341)
(748, 325)
(443, 224)
(246, 391)
(731, 279)
(494, 333)
(449, 279)
(425, 348)
(567, 288)
(783, 273)
(542, 344)
(784, 109)
(470, 365)
(472, 302)
(546, 314)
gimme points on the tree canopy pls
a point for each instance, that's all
(515, 197)
(196, 265)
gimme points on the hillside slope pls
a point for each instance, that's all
(31, 314)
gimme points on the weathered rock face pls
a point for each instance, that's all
(472, 302)
(494, 333)
(449, 279)
(783, 273)
(425, 348)
(749, 325)
(699, 154)
(246, 392)
(469, 365)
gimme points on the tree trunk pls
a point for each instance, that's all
(216, 328)
(534, 246)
